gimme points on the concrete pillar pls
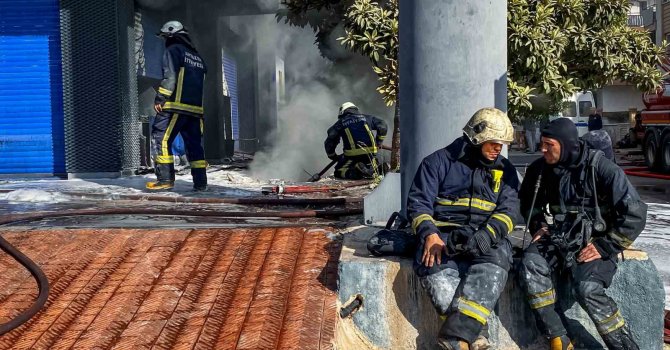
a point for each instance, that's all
(453, 61)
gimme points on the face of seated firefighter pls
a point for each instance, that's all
(551, 150)
(491, 150)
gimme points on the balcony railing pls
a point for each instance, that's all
(635, 21)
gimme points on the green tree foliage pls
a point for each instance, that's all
(555, 47)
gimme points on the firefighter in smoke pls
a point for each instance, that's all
(463, 203)
(359, 144)
(179, 108)
(585, 213)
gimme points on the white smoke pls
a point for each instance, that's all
(315, 88)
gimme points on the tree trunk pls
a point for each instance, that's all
(395, 142)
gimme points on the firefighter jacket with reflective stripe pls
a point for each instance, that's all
(181, 90)
(355, 130)
(564, 189)
(453, 188)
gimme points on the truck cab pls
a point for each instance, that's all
(577, 108)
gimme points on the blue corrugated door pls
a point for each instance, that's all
(230, 71)
(31, 107)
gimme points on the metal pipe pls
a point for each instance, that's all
(14, 218)
(210, 200)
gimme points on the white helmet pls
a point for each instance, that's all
(489, 124)
(171, 28)
(344, 107)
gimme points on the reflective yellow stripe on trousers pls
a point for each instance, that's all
(611, 323)
(165, 157)
(474, 310)
(540, 300)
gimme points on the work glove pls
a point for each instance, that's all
(479, 243)
(456, 241)
(606, 247)
(333, 156)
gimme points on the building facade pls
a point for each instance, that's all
(77, 81)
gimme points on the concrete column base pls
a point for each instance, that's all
(397, 313)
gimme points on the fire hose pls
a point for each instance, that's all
(42, 284)
(293, 189)
(644, 172)
(42, 281)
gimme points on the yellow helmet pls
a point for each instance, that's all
(489, 124)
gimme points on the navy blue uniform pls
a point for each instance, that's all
(568, 194)
(181, 96)
(455, 195)
(359, 144)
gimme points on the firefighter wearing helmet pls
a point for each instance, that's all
(179, 109)
(359, 144)
(462, 204)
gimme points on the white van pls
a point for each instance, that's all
(577, 108)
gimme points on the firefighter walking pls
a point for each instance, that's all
(179, 108)
(463, 203)
(586, 212)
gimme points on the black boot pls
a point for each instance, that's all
(620, 339)
(164, 178)
(365, 170)
(199, 179)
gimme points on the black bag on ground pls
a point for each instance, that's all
(389, 242)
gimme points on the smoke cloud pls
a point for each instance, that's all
(315, 88)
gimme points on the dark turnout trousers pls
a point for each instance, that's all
(356, 167)
(465, 289)
(164, 130)
(589, 281)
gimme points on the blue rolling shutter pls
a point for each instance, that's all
(230, 71)
(31, 107)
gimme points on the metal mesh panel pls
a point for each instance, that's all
(132, 128)
(99, 90)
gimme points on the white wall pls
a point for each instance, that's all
(634, 8)
(619, 99)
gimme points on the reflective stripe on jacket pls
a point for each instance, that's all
(451, 190)
(355, 130)
(181, 89)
